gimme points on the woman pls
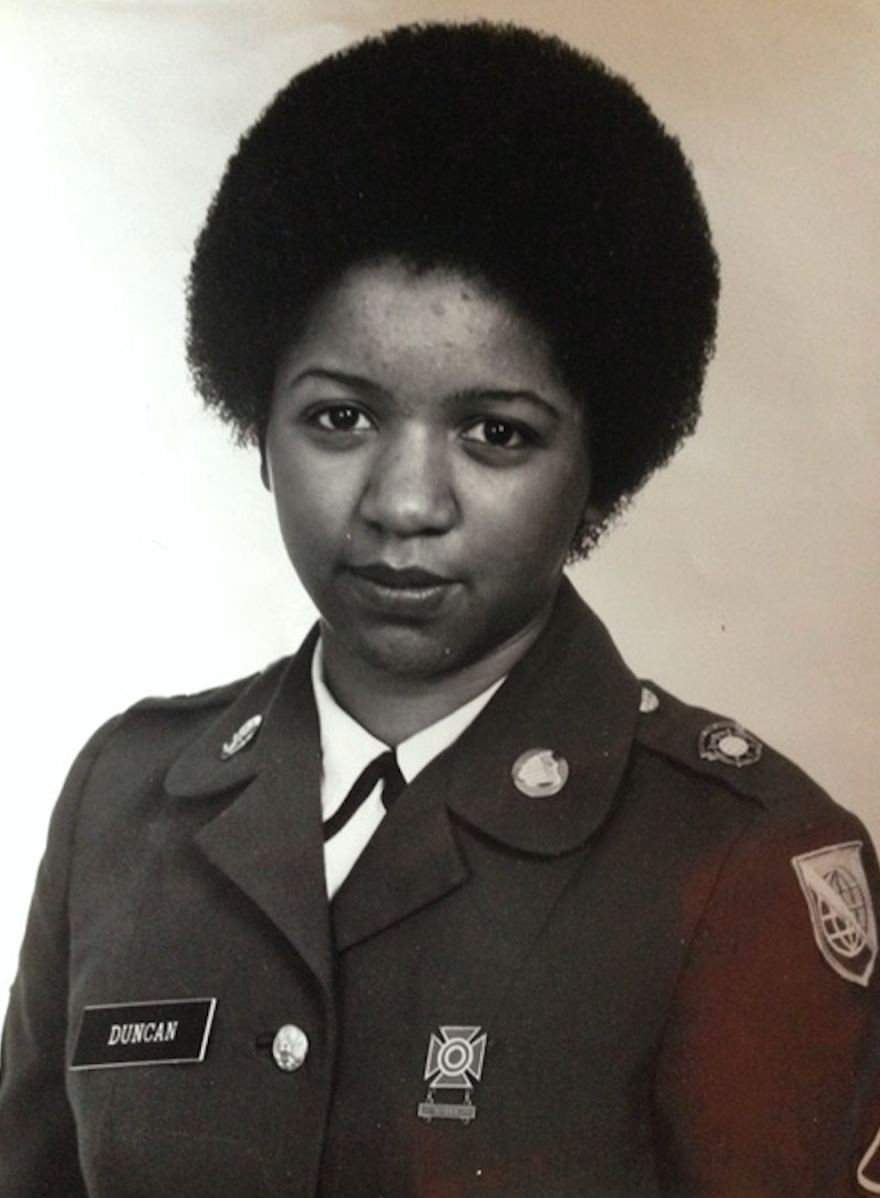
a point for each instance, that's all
(449, 903)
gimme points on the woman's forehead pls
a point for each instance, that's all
(389, 317)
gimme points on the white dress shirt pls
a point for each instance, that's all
(347, 748)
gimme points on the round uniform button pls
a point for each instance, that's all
(290, 1047)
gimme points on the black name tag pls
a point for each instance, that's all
(144, 1033)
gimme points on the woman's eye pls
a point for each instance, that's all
(341, 418)
(500, 434)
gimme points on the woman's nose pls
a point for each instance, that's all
(409, 489)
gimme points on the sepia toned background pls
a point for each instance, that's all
(140, 554)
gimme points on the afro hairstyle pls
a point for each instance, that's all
(494, 150)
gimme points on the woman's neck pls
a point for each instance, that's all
(394, 706)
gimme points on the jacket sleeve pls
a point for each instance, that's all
(38, 1144)
(769, 1076)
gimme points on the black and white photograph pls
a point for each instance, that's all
(442, 498)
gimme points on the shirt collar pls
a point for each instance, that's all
(347, 747)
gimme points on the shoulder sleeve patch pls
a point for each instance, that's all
(868, 1175)
(836, 889)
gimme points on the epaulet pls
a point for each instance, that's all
(721, 748)
(217, 696)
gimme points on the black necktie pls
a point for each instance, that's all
(382, 768)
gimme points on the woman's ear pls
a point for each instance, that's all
(265, 473)
(588, 532)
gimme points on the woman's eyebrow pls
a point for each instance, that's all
(472, 395)
(356, 382)
(465, 397)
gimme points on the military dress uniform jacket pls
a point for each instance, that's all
(653, 975)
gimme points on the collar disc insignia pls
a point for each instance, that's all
(241, 738)
(540, 773)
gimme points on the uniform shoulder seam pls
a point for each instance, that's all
(216, 696)
(721, 748)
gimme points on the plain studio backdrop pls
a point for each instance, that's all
(140, 551)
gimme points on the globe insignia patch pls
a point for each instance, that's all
(836, 889)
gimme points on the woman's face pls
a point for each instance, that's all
(429, 468)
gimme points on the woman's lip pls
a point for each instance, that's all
(409, 578)
(410, 594)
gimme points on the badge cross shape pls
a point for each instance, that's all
(455, 1062)
(836, 889)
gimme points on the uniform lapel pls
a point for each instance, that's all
(412, 860)
(571, 694)
(268, 840)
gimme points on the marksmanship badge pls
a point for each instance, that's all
(455, 1062)
(836, 889)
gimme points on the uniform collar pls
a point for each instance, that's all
(347, 747)
(571, 694)
(280, 700)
